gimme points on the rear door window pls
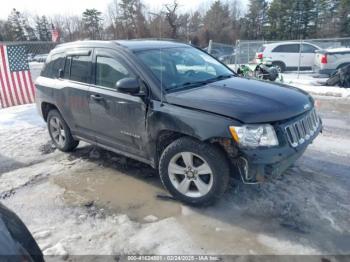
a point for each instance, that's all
(80, 69)
(308, 48)
(290, 48)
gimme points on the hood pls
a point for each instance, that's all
(247, 100)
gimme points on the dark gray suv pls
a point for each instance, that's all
(176, 108)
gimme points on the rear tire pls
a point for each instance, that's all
(60, 133)
(280, 66)
(194, 172)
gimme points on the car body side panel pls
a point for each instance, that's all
(119, 120)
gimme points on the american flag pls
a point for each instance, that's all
(16, 85)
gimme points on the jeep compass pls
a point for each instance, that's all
(176, 108)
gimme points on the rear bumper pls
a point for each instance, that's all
(264, 163)
(323, 71)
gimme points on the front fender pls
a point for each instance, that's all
(194, 123)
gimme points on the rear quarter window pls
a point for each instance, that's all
(52, 65)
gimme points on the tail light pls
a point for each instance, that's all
(324, 59)
(260, 56)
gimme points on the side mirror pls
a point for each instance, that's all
(60, 73)
(128, 85)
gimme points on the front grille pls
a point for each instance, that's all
(303, 129)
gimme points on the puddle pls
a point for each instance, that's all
(117, 192)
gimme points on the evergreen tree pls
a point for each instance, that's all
(92, 23)
(257, 19)
(43, 28)
(217, 22)
(15, 22)
(133, 19)
(290, 19)
(3, 36)
(344, 18)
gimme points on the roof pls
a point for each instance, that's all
(141, 44)
(288, 43)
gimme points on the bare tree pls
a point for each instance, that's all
(172, 18)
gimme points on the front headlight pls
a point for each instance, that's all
(254, 135)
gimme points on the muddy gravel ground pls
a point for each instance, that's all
(92, 201)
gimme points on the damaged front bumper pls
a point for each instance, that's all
(259, 164)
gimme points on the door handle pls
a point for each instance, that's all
(96, 97)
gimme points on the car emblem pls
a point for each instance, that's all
(307, 106)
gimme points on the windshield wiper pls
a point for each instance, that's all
(199, 83)
(187, 84)
(220, 77)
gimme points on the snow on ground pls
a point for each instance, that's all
(315, 86)
(27, 158)
(307, 82)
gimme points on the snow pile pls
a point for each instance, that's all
(288, 247)
(312, 85)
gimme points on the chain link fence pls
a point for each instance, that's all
(33, 48)
(223, 52)
(245, 51)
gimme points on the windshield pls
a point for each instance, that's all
(183, 67)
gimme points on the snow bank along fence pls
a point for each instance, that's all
(244, 51)
(16, 78)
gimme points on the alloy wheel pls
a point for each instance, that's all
(190, 174)
(57, 131)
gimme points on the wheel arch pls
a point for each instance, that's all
(46, 108)
(283, 64)
(166, 137)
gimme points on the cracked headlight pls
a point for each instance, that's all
(254, 135)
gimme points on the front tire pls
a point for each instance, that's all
(60, 133)
(194, 172)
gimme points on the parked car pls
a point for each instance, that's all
(176, 108)
(329, 61)
(228, 59)
(219, 51)
(213, 52)
(16, 242)
(285, 55)
(30, 57)
(40, 58)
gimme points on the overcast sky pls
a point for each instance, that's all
(72, 7)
